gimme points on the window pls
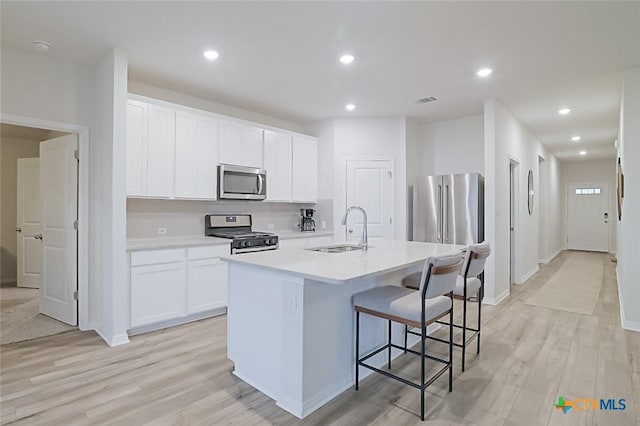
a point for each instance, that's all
(588, 191)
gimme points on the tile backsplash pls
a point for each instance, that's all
(186, 218)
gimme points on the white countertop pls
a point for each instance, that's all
(383, 256)
(135, 244)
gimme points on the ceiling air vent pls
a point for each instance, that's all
(427, 100)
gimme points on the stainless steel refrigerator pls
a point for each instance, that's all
(447, 209)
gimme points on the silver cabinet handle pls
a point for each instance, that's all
(18, 229)
(38, 236)
(439, 215)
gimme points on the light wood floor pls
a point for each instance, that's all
(180, 376)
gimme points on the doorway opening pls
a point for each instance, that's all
(39, 252)
(513, 219)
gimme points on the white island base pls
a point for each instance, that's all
(291, 332)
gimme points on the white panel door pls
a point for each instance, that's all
(196, 156)
(277, 163)
(588, 216)
(240, 144)
(207, 285)
(136, 148)
(370, 185)
(160, 151)
(304, 179)
(28, 223)
(59, 198)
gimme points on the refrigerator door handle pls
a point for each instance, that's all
(445, 214)
(439, 215)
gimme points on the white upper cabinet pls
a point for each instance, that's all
(136, 148)
(240, 144)
(160, 151)
(305, 169)
(277, 163)
(196, 156)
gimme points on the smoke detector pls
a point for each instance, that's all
(41, 46)
(427, 100)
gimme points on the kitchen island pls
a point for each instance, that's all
(291, 324)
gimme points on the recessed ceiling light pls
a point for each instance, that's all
(583, 153)
(41, 46)
(576, 138)
(346, 59)
(484, 72)
(350, 107)
(211, 54)
(564, 111)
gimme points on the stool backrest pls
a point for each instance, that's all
(439, 275)
(475, 259)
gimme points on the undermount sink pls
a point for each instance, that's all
(342, 248)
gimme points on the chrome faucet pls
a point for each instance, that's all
(364, 240)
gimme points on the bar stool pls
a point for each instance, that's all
(416, 309)
(468, 285)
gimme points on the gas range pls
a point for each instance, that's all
(238, 229)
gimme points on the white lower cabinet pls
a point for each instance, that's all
(157, 293)
(167, 286)
(207, 285)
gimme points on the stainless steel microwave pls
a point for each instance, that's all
(241, 183)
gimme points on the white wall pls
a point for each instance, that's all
(548, 196)
(591, 172)
(360, 138)
(168, 95)
(507, 139)
(454, 146)
(629, 227)
(10, 150)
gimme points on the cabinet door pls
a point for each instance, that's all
(304, 169)
(157, 293)
(196, 156)
(160, 151)
(136, 148)
(240, 144)
(207, 285)
(277, 163)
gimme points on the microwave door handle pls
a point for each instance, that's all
(260, 184)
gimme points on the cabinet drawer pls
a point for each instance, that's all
(151, 257)
(208, 252)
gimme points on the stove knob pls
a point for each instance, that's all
(244, 243)
(274, 241)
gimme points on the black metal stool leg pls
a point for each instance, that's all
(357, 344)
(422, 370)
(389, 353)
(479, 323)
(406, 331)
(464, 325)
(451, 347)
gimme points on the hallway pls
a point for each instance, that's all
(530, 356)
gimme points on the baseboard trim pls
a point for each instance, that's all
(549, 258)
(496, 300)
(627, 325)
(176, 321)
(117, 340)
(528, 275)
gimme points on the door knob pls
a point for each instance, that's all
(351, 231)
(18, 229)
(38, 236)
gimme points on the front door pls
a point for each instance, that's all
(28, 223)
(588, 216)
(59, 198)
(370, 186)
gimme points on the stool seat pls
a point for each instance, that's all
(473, 285)
(400, 304)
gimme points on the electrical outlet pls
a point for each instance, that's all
(323, 224)
(162, 231)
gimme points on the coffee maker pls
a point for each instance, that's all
(307, 224)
